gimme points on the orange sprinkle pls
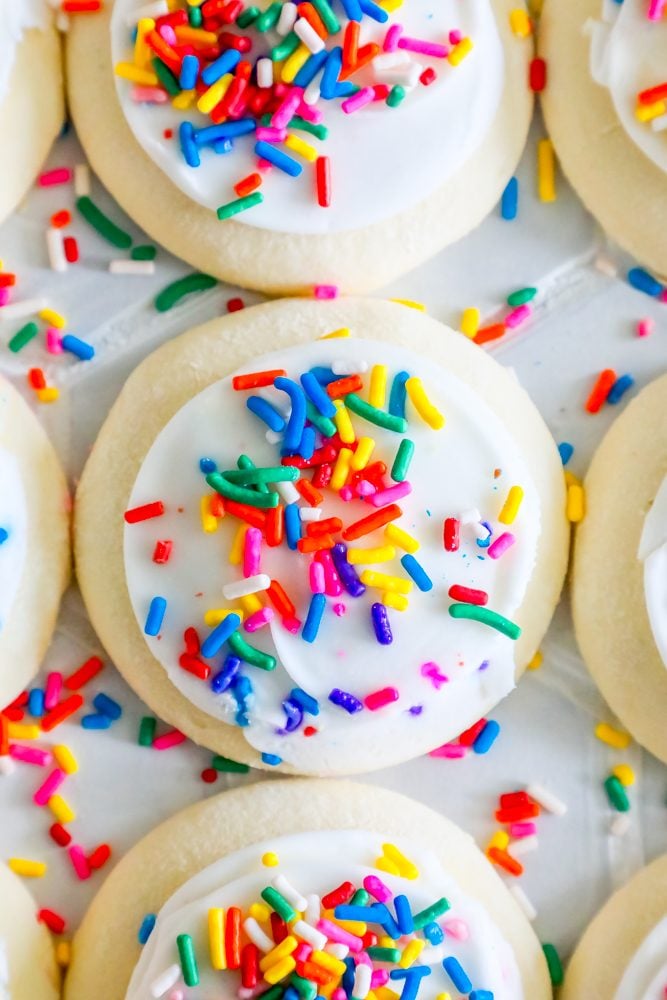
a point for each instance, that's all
(505, 860)
(61, 219)
(311, 495)
(308, 13)
(350, 44)
(248, 185)
(600, 390)
(488, 333)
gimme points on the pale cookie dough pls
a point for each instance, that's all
(615, 936)
(619, 185)
(31, 113)
(287, 263)
(610, 615)
(181, 369)
(105, 949)
(35, 500)
(28, 968)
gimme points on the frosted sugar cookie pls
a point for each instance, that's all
(34, 542)
(279, 865)
(27, 964)
(623, 954)
(619, 594)
(605, 110)
(284, 147)
(349, 586)
(31, 94)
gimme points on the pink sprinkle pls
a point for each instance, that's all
(61, 175)
(378, 699)
(518, 316)
(30, 755)
(326, 291)
(434, 674)
(450, 751)
(54, 684)
(455, 36)
(378, 889)
(311, 114)
(303, 952)
(339, 994)
(258, 619)
(502, 544)
(663, 295)
(365, 489)
(49, 787)
(291, 625)
(168, 34)
(392, 37)
(359, 100)
(268, 134)
(339, 610)
(518, 830)
(390, 495)
(169, 740)
(79, 861)
(431, 49)
(346, 493)
(287, 109)
(457, 928)
(148, 95)
(655, 12)
(316, 576)
(645, 327)
(264, 165)
(53, 341)
(380, 977)
(178, 995)
(340, 936)
(5, 296)
(252, 552)
(332, 585)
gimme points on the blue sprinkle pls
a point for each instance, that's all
(374, 11)
(307, 445)
(216, 639)
(272, 758)
(241, 690)
(351, 912)
(487, 737)
(227, 62)
(4, 535)
(318, 603)
(292, 525)
(207, 465)
(97, 721)
(415, 570)
(306, 701)
(353, 9)
(291, 994)
(317, 395)
(155, 616)
(333, 66)
(297, 420)
(644, 282)
(482, 994)
(228, 130)
(323, 375)
(383, 916)
(413, 977)
(619, 388)
(434, 933)
(186, 137)
(36, 703)
(189, 72)
(267, 151)
(79, 348)
(509, 202)
(266, 412)
(398, 394)
(146, 929)
(107, 706)
(310, 69)
(294, 717)
(566, 451)
(456, 973)
(403, 914)
(225, 676)
(347, 981)
(222, 146)
(345, 700)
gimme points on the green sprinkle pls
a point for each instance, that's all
(284, 49)
(269, 19)
(360, 898)
(375, 416)
(304, 987)
(431, 913)
(240, 205)
(329, 19)
(174, 292)
(23, 337)
(396, 96)
(246, 17)
(399, 470)
(147, 728)
(522, 296)
(616, 794)
(278, 903)
(245, 462)
(166, 77)
(145, 252)
(220, 763)
(251, 476)
(324, 425)
(276, 992)
(300, 124)
(486, 617)
(240, 494)
(186, 954)
(255, 657)
(554, 964)
(103, 224)
(383, 954)
(195, 17)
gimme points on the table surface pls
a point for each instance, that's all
(585, 320)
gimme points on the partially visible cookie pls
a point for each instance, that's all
(28, 968)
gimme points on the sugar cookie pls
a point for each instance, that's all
(28, 968)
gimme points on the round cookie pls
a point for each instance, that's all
(34, 542)
(361, 241)
(32, 106)
(105, 950)
(608, 594)
(609, 158)
(423, 709)
(613, 946)
(28, 968)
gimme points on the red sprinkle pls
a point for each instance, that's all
(428, 77)
(71, 248)
(323, 178)
(450, 534)
(52, 920)
(162, 551)
(195, 666)
(209, 775)
(235, 305)
(85, 673)
(338, 896)
(61, 712)
(600, 391)
(537, 76)
(7, 280)
(468, 737)
(36, 378)
(233, 937)
(61, 836)
(249, 966)
(143, 513)
(517, 813)
(99, 857)
(467, 595)
(256, 380)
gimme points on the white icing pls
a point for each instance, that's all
(17, 16)
(5, 993)
(452, 472)
(13, 519)
(384, 161)
(627, 56)
(653, 553)
(646, 976)
(238, 879)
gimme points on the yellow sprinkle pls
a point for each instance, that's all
(520, 23)
(386, 942)
(366, 557)
(384, 993)
(53, 318)
(329, 962)
(214, 616)
(546, 170)
(470, 322)
(362, 455)
(406, 867)
(48, 395)
(143, 77)
(422, 404)
(335, 334)
(378, 386)
(209, 521)
(411, 304)
(294, 63)
(280, 970)
(63, 953)
(270, 859)
(236, 551)
(612, 737)
(571, 479)
(647, 112)
(216, 937)
(251, 603)
(186, 33)
(510, 508)
(576, 504)
(343, 423)
(401, 538)
(625, 774)
(411, 953)
(280, 952)
(301, 147)
(500, 839)
(460, 51)
(385, 865)
(356, 927)
(444, 996)
(395, 601)
(260, 912)
(65, 759)
(536, 661)
(384, 581)
(142, 52)
(23, 731)
(214, 94)
(390, 6)
(341, 469)
(27, 868)
(184, 100)
(61, 809)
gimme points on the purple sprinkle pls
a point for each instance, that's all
(416, 710)
(381, 624)
(483, 665)
(346, 571)
(346, 701)
(294, 714)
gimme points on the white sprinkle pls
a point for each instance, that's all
(403, 76)
(17, 310)
(348, 366)
(56, 250)
(339, 951)
(7, 765)
(165, 981)
(309, 934)
(257, 935)
(390, 60)
(305, 31)
(285, 888)
(620, 825)
(362, 982)
(288, 16)
(310, 513)
(82, 180)
(547, 799)
(288, 491)
(471, 516)
(264, 73)
(312, 912)
(273, 437)
(522, 899)
(311, 94)
(242, 588)
(138, 267)
(524, 845)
